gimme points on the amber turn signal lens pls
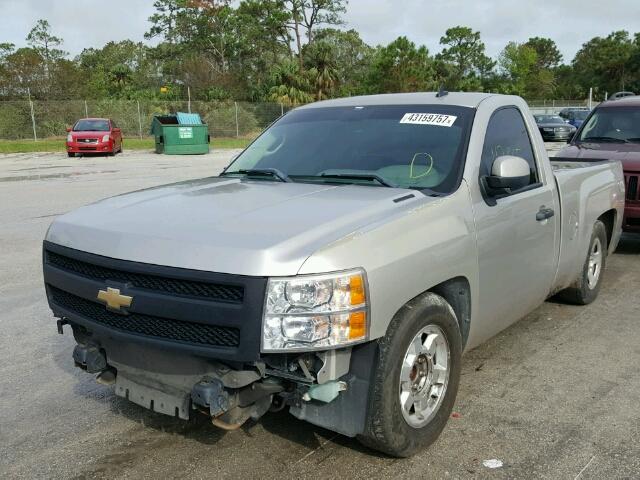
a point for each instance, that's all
(357, 325)
(356, 288)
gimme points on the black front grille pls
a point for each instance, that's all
(632, 187)
(210, 291)
(209, 314)
(147, 325)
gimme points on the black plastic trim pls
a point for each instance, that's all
(578, 160)
(402, 199)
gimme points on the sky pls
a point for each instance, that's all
(89, 23)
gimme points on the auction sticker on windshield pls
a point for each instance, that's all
(429, 119)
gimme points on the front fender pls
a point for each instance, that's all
(424, 243)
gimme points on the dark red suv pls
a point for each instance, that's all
(612, 132)
(94, 135)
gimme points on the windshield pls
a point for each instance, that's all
(91, 126)
(408, 146)
(614, 124)
(548, 119)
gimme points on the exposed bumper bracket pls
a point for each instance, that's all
(89, 358)
(210, 393)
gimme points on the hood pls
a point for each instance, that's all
(90, 134)
(627, 153)
(226, 225)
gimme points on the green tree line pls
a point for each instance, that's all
(298, 51)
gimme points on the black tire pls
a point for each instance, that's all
(386, 428)
(580, 293)
(71, 155)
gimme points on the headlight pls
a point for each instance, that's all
(315, 312)
(69, 138)
(105, 138)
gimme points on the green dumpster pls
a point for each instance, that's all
(180, 134)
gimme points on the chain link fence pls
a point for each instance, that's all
(554, 106)
(50, 119)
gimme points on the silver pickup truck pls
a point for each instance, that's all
(338, 267)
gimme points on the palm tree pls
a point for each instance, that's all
(290, 85)
(323, 70)
(120, 75)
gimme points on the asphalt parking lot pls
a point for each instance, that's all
(557, 395)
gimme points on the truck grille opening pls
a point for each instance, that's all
(632, 187)
(147, 325)
(190, 288)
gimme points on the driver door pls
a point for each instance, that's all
(516, 258)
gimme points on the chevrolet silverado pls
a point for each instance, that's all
(338, 267)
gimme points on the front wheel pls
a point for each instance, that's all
(586, 288)
(416, 379)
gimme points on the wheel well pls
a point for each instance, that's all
(609, 220)
(457, 293)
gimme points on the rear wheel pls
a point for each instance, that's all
(416, 379)
(587, 286)
(71, 154)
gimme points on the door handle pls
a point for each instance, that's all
(544, 213)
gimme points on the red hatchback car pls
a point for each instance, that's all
(94, 135)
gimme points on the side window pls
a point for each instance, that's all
(507, 135)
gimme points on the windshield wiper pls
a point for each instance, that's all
(604, 139)
(262, 172)
(372, 177)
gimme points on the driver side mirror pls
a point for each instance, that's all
(68, 129)
(508, 173)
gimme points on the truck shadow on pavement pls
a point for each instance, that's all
(629, 244)
(200, 429)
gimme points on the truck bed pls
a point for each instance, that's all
(563, 163)
(585, 188)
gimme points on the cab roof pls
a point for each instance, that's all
(633, 101)
(462, 99)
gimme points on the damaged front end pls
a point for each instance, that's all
(329, 388)
(178, 341)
